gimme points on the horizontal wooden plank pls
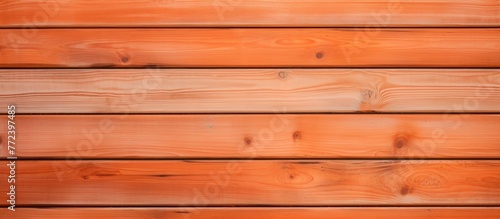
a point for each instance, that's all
(250, 213)
(250, 90)
(254, 47)
(269, 13)
(236, 183)
(255, 136)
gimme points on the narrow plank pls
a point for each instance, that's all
(156, 90)
(269, 13)
(250, 213)
(273, 183)
(255, 136)
(254, 47)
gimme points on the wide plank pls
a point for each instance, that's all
(250, 213)
(257, 13)
(255, 182)
(250, 47)
(254, 136)
(155, 90)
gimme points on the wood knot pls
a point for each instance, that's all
(124, 59)
(297, 136)
(319, 55)
(400, 142)
(91, 171)
(248, 141)
(282, 74)
(294, 176)
(404, 190)
(367, 94)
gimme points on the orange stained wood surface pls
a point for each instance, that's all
(268, 212)
(263, 182)
(283, 90)
(257, 13)
(251, 47)
(256, 136)
(193, 109)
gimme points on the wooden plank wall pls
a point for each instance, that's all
(376, 109)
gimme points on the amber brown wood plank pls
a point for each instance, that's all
(156, 90)
(255, 136)
(251, 213)
(269, 13)
(254, 182)
(254, 47)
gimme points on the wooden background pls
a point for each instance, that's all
(252, 109)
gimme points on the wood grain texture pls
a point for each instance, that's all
(156, 90)
(254, 47)
(255, 136)
(250, 213)
(269, 13)
(236, 183)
